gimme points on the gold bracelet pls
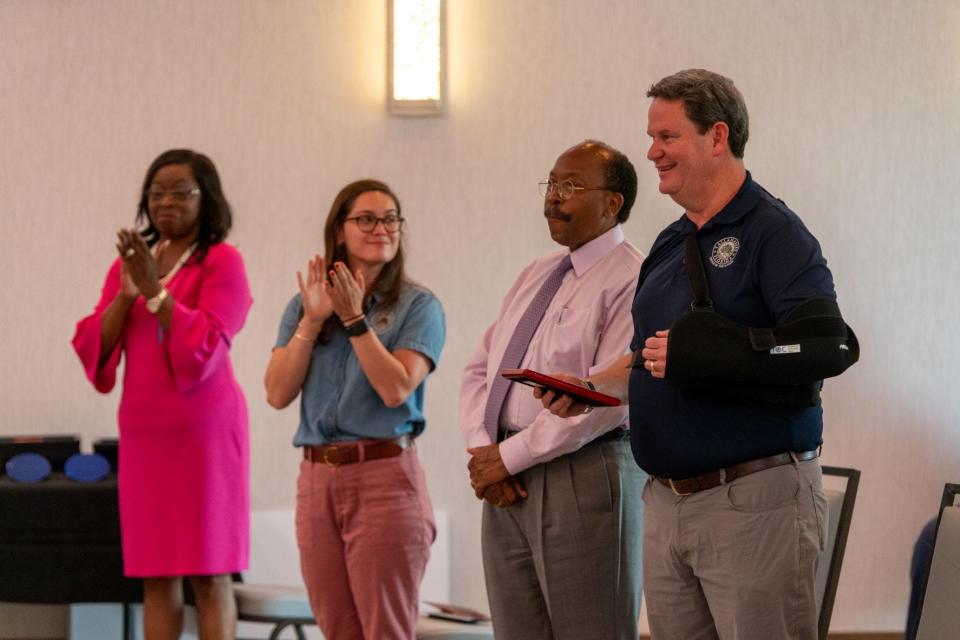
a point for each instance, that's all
(302, 337)
(353, 320)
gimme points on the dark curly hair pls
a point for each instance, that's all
(216, 217)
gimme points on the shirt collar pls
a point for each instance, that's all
(745, 200)
(592, 252)
(374, 299)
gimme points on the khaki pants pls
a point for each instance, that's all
(736, 562)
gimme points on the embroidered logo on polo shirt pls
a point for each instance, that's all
(724, 251)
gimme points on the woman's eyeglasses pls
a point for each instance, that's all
(367, 223)
(176, 196)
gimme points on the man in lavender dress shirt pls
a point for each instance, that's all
(562, 512)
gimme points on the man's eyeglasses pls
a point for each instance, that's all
(564, 189)
(367, 223)
(176, 196)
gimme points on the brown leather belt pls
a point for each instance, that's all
(716, 478)
(342, 453)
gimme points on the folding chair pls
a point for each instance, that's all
(840, 504)
(938, 601)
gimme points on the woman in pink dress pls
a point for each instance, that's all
(170, 305)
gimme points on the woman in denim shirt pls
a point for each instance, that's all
(358, 341)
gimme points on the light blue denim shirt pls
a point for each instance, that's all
(337, 402)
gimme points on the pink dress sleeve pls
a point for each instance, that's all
(86, 338)
(199, 338)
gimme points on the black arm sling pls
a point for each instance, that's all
(784, 365)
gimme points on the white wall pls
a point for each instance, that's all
(854, 123)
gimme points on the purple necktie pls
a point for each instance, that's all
(518, 344)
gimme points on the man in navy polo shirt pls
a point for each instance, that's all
(735, 515)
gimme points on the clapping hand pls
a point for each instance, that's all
(315, 294)
(139, 272)
(346, 291)
(127, 288)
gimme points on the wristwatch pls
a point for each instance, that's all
(357, 328)
(154, 303)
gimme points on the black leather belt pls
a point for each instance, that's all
(687, 486)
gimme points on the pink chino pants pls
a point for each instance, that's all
(364, 532)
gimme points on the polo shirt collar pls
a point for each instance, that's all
(741, 203)
(592, 252)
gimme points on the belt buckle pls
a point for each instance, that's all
(674, 489)
(326, 451)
